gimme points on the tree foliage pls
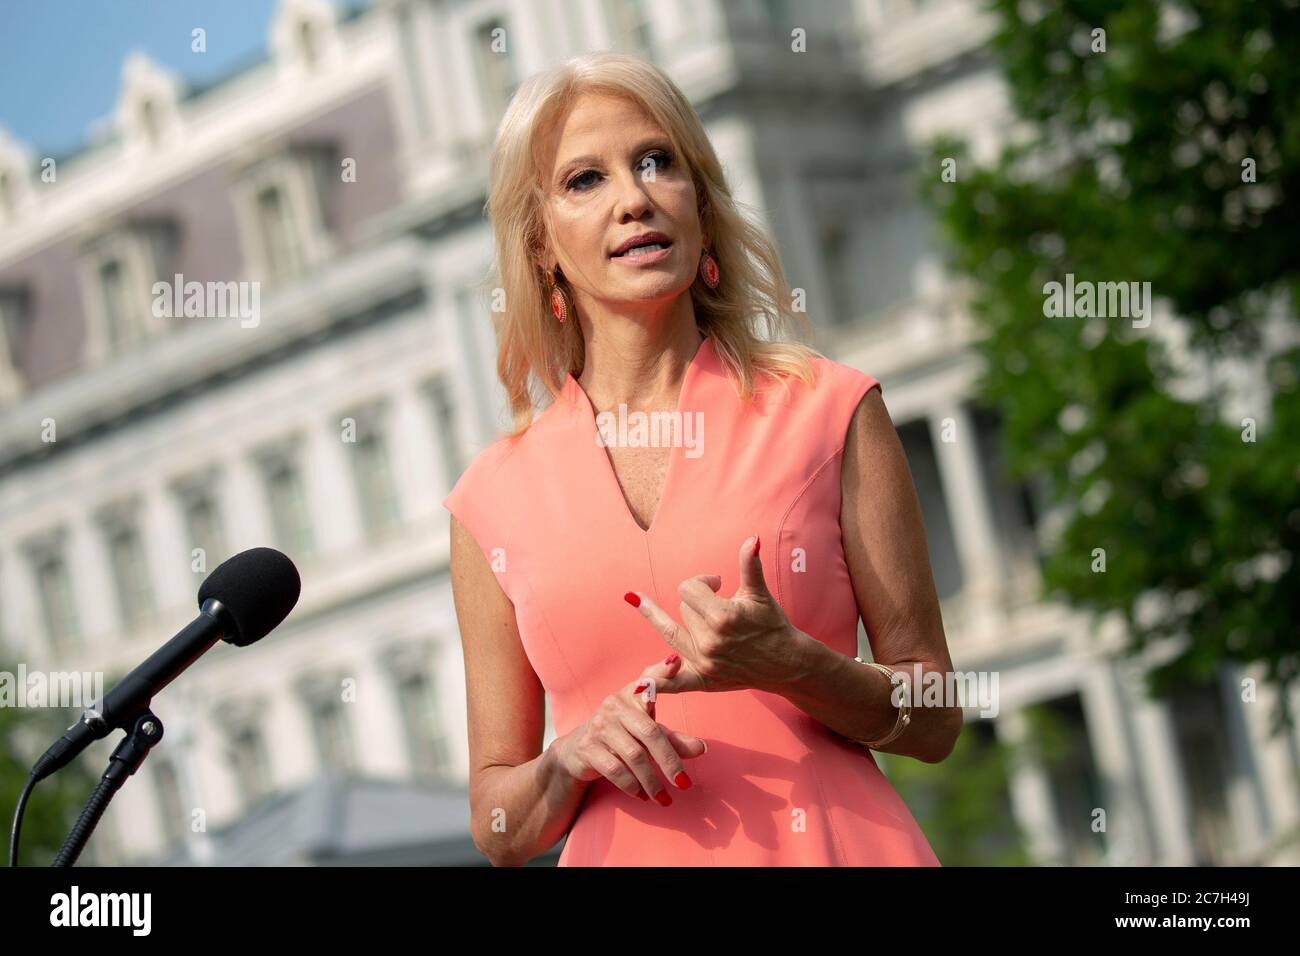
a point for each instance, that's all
(1154, 143)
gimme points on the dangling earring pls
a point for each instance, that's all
(709, 270)
(560, 304)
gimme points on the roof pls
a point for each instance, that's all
(338, 820)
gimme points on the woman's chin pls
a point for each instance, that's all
(648, 286)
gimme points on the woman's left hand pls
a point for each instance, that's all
(745, 641)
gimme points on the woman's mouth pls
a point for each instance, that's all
(651, 252)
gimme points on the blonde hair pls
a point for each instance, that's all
(752, 294)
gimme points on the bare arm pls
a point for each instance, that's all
(884, 544)
(521, 801)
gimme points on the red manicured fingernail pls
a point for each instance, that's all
(757, 545)
(642, 795)
(640, 687)
(663, 798)
(632, 599)
(671, 659)
(682, 780)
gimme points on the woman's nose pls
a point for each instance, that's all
(633, 193)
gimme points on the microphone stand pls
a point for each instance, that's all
(126, 760)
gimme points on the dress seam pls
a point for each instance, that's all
(817, 775)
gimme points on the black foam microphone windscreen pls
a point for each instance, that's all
(258, 589)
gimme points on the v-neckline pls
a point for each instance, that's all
(582, 402)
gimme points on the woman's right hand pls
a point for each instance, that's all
(623, 743)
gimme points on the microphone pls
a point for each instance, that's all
(241, 601)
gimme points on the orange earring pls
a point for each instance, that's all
(709, 270)
(560, 306)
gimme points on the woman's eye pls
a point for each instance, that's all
(581, 176)
(659, 159)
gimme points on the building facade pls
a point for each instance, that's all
(322, 210)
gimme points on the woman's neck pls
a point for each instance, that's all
(639, 358)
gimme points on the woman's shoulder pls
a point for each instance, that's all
(821, 410)
(485, 473)
(506, 459)
(833, 383)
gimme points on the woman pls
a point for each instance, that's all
(755, 487)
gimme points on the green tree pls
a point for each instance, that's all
(1160, 148)
(961, 804)
(56, 801)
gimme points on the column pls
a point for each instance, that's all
(182, 735)
(414, 453)
(243, 505)
(97, 611)
(967, 499)
(1275, 765)
(1161, 771)
(1031, 795)
(377, 728)
(162, 531)
(1128, 833)
(328, 483)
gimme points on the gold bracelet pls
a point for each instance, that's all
(904, 706)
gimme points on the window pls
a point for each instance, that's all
(287, 501)
(1200, 722)
(202, 516)
(249, 763)
(14, 314)
(428, 744)
(129, 569)
(119, 270)
(496, 66)
(149, 125)
(921, 459)
(444, 415)
(54, 591)
(278, 247)
(374, 480)
(117, 305)
(307, 45)
(8, 201)
(171, 807)
(333, 734)
(286, 210)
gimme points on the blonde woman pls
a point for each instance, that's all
(678, 548)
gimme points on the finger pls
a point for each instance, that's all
(661, 750)
(686, 679)
(687, 745)
(751, 569)
(668, 628)
(644, 692)
(634, 757)
(696, 594)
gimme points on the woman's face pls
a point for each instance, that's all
(614, 175)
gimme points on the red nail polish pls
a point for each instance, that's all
(640, 687)
(682, 780)
(632, 599)
(671, 659)
(663, 798)
(757, 544)
(642, 795)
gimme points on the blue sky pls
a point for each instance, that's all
(61, 60)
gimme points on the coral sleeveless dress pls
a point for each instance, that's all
(776, 787)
